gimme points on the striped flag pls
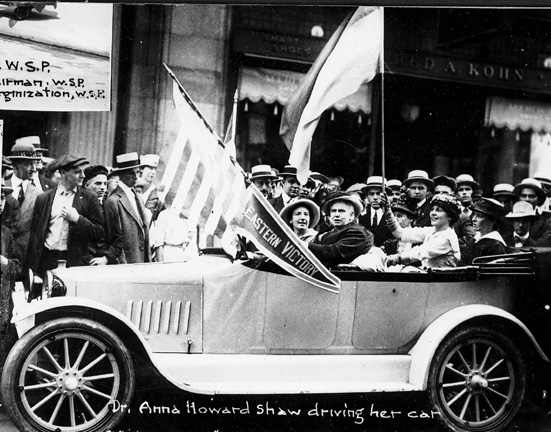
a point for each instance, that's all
(349, 59)
(201, 178)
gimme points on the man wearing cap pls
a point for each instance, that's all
(262, 177)
(291, 188)
(66, 220)
(373, 219)
(23, 157)
(347, 239)
(531, 191)
(504, 193)
(129, 210)
(418, 186)
(521, 217)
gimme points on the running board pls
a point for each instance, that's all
(286, 374)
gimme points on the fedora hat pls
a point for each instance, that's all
(262, 171)
(504, 189)
(376, 182)
(490, 207)
(150, 160)
(468, 180)
(353, 200)
(288, 171)
(394, 184)
(418, 175)
(533, 184)
(287, 211)
(126, 161)
(445, 181)
(23, 150)
(522, 209)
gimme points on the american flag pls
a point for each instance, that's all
(201, 175)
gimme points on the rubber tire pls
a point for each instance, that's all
(510, 352)
(24, 346)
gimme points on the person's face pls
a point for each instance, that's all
(291, 186)
(129, 177)
(264, 185)
(98, 185)
(439, 218)
(506, 201)
(529, 195)
(24, 169)
(394, 196)
(73, 177)
(374, 198)
(465, 195)
(300, 219)
(341, 214)
(418, 190)
(522, 226)
(333, 186)
(148, 173)
(112, 183)
(403, 219)
(305, 190)
(446, 190)
(2, 201)
(482, 223)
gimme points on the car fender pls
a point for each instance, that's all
(425, 348)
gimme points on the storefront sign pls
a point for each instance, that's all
(467, 71)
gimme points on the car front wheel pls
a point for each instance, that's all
(477, 380)
(68, 375)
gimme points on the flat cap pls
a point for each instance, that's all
(69, 161)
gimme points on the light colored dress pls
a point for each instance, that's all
(171, 231)
(437, 248)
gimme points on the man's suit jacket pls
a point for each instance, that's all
(277, 203)
(135, 232)
(540, 230)
(380, 232)
(46, 183)
(87, 230)
(111, 245)
(423, 215)
(21, 223)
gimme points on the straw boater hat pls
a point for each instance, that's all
(418, 175)
(34, 141)
(468, 180)
(150, 160)
(533, 184)
(353, 200)
(376, 182)
(504, 189)
(287, 211)
(490, 207)
(522, 209)
(394, 184)
(445, 181)
(126, 161)
(24, 151)
(262, 171)
(356, 188)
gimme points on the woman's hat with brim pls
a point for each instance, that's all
(150, 160)
(376, 182)
(262, 172)
(401, 205)
(448, 203)
(504, 190)
(468, 180)
(420, 176)
(125, 162)
(353, 200)
(533, 184)
(522, 209)
(490, 207)
(287, 211)
(445, 181)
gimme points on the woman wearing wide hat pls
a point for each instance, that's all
(488, 218)
(302, 215)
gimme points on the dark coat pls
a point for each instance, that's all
(380, 232)
(483, 247)
(277, 203)
(465, 231)
(87, 230)
(10, 273)
(46, 183)
(112, 244)
(342, 244)
(135, 233)
(9, 213)
(510, 241)
(540, 230)
(423, 215)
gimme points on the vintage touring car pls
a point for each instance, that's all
(475, 338)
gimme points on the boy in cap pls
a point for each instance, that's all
(66, 220)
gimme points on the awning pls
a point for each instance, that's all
(518, 114)
(273, 85)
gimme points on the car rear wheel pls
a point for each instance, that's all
(68, 375)
(477, 380)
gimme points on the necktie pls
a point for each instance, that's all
(21, 197)
(138, 209)
(374, 222)
(519, 240)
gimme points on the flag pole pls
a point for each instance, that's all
(382, 59)
(234, 115)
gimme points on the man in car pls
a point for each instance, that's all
(347, 239)
(262, 177)
(466, 186)
(418, 186)
(373, 219)
(521, 217)
(531, 191)
(291, 188)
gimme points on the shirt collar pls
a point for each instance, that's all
(125, 188)
(62, 191)
(420, 203)
(494, 235)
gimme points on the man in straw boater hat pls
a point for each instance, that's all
(395, 186)
(504, 193)
(531, 191)
(42, 183)
(347, 239)
(291, 188)
(521, 217)
(66, 220)
(373, 219)
(262, 176)
(466, 187)
(23, 158)
(418, 186)
(130, 212)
